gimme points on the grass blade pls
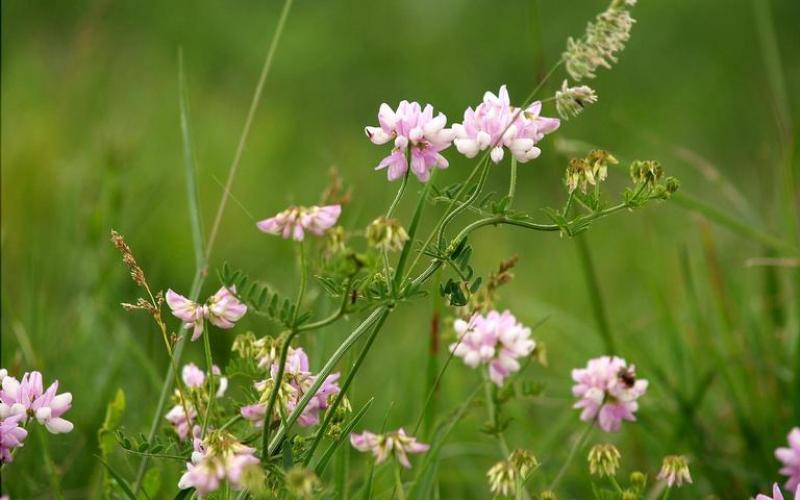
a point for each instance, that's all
(595, 295)
(189, 166)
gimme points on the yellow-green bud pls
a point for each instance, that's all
(386, 234)
(604, 460)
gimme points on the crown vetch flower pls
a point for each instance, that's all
(295, 221)
(297, 381)
(495, 123)
(790, 458)
(496, 340)
(181, 422)
(382, 445)
(220, 456)
(415, 131)
(28, 397)
(192, 376)
(222, 309)
(777, 495)
(11, 436)
(607, 390)
(675, 471)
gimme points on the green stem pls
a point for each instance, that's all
(666, 494)
(398, 481)
(301, 259)
(412, 231)
(578, 444)
(512, 184)
(399, 194)
(491, 407)
(210, 375)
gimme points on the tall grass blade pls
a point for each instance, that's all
(595, 295)
(190, 168)
(326, 457)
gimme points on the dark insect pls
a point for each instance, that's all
(628, 377)
(353, 297)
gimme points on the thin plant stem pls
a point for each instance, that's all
(512, 183)
(578, 444)
(398, 481)
(399, 195)
(491, 408)
(210, 375)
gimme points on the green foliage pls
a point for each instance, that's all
(260, 297)
(105, 435)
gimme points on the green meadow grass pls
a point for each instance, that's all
(92, 140)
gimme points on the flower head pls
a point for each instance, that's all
(506, 475)
(571, 101)
(293, 222)
(193, 376)
(382, 445)
(790, 458)
(496, 339)
(219, 457)
(496, 124)
(604, 460)
(386, 234)
(418, 137)
(607, 390)
(181, 422)
(675, 471)
(222, 309)
(296, 382)
(27, 397)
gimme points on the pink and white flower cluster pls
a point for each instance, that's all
(418, 137)
(293, 222)
(297, 381)
(25, 400)
(607, 390)
(790, 458)
(222, 309)
(497, 340)
(495, 124)
(382, 445)
(217, 458)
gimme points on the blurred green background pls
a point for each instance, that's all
(91, 141)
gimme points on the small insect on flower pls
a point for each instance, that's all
(604, 460)
(607, 390)
(790, 458)
(675, 471)
(416, 133)
(496, 124)
(776, 494)
(28, 398)
(293, 222)
(382, 445)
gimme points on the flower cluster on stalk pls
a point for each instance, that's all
(297, 381)
(496, 339)
(222, 309)
(382, 446)
(24, 401)
(219, 457)
(293, 222)
(607, 390)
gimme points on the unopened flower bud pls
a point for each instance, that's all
(523, 461)
(675, 470)
(629, 495)
(301, 482)
(604, 460)
(503, 478)
(671, 184)
(386, 234)
(638, 481)
(548, 495)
